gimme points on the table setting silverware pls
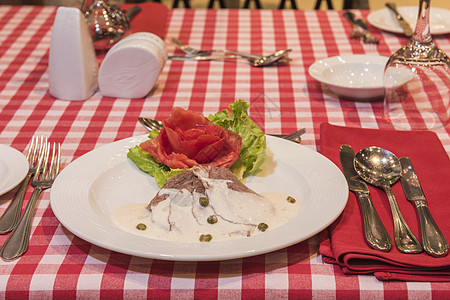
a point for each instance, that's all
(382, 168)
(356, 31)
(47, 169)
(196, 52)
(433, 241)
(360, 29)
(152, 124)
(10, 218)
(375, 233)
(407, 29)
(254, 60)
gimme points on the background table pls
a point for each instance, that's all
(285, 98)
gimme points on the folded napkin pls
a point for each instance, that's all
(343, 243)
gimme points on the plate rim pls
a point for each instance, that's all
(342, 192)
(382, 11)
(16, 161)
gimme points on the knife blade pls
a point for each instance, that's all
(401, 21)
(375, 233)
(434, 242)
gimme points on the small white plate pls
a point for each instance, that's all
(354, 77)
(13, 168)
(88, 190)
(384, 19)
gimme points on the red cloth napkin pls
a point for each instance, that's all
(152, 18)
(343, 243)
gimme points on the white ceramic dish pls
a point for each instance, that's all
(89, 189)
(384, 19)
(354, 77)
(13, 168)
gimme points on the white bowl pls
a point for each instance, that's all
(354, 77)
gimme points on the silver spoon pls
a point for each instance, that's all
(381, 167)
(270, 59)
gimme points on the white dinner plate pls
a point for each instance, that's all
(13, 168)
(355, 77)
(89, 189)
(384, 19)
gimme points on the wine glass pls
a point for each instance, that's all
(417, 81)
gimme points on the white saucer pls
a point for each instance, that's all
(354, 77)
(384, 19)
(13, 168)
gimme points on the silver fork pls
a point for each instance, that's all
(368, 38)
(195, 52)
(360, 29)
(356, 32)
(10, 218)
(46, 172)
(151, 124)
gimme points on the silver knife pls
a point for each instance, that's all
(434, 242)
(401, 21)
(375, 233)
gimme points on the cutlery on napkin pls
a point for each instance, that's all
(344, 243)
(374, 231)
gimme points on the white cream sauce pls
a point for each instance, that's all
(183, 219)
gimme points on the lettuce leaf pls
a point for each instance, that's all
(148, 164)
(253, 150)
(251, 157)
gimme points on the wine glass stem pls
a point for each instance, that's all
(422, 32)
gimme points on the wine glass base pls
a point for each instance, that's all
(423, 120)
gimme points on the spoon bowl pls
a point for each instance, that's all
(382, 168)
(269, 59)
(377, 166)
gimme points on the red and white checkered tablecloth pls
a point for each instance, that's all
(61, 265)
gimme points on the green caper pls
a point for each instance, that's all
(263, 226)
(204, 201)
(212, 219)
(291, 199)
(205, 238)
(141, 226)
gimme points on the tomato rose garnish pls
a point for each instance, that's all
(189, 139)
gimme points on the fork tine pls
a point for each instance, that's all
(32, 148)
(177, 42)
(39, 146)
(55, 162)
(182, 46)
(58, 161)
(42, 161)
